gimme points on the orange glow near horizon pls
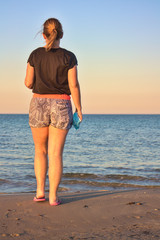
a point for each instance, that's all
(118, 55)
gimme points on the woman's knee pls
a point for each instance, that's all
(41, 149)
(54, 155)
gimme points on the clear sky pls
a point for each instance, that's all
(117, 44)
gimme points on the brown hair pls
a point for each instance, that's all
(52, 29)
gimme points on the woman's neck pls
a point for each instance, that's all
(56, 44)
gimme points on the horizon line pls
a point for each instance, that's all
(92, 113)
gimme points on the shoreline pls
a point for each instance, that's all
(120, 214)
(66, 190)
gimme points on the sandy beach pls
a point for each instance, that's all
(132, 214)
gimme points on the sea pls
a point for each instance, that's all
(107, 152)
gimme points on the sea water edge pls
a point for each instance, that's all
(108, 152)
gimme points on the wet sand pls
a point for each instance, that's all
(93, 215)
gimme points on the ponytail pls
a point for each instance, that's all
(52, 29)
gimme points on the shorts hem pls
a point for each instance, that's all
(62, 128)
(38, 126)
(65, 128)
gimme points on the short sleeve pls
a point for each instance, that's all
(30, 60)
(73, 61)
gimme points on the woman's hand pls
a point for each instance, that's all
(79, 112)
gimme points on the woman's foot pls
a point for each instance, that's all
(39, 199)
(54, 200)
(40, 193)
(56, 203)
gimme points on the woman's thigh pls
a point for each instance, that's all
(56, 140)
(40, 138)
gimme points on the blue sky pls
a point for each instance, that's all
(116, 43)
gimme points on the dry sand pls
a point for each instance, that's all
(83, 215)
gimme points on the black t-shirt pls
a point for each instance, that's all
(51, 70)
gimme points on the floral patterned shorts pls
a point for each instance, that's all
(46, 111)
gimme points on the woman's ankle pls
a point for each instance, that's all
(40, 193)
(52, 197)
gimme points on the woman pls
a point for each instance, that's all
(52, 74)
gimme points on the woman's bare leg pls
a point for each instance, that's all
(56, 143)
(40, 138)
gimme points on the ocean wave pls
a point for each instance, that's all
(119, 177)
(107, 184)
(4, 181)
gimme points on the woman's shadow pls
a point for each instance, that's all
(77, 196)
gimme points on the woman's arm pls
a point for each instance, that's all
(29, 79)
(75, 90)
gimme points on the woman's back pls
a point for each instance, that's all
(51, 70)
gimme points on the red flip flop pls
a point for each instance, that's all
(40, 199)
(56, 203)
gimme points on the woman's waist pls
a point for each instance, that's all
(54, 96)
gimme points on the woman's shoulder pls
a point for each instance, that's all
(67, 51)
(38, 50)
(69, 55)
(69, 58)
